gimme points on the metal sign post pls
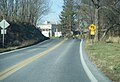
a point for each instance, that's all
(3, 36)
(4, 24)
(92, 29)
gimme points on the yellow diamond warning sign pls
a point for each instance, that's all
(92, 27)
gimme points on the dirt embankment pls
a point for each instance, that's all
(21, 35)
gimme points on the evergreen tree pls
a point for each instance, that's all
(68, 17)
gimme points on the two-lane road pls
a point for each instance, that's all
(52, 61)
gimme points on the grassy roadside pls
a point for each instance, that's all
(107, 58)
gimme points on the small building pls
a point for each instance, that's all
(56, 31)
(46, 29)
(50, 30)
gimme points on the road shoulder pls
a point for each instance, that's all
(95, 72)
(19, 49)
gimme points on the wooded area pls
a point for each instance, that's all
(79, 14)
(23, 11)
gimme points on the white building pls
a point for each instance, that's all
(49, 30)
(46, 29)
(56, 31)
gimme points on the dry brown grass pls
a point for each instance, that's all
(113, 39)
(25, 43)
(107, 58)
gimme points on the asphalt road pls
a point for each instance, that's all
(52, 61)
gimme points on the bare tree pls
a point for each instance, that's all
(24, 11)
(105, 14)
(3, 8)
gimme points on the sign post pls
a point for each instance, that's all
(92, 29)
(4, 24)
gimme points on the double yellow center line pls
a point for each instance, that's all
(25, 62)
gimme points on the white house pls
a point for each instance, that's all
(49, 29)
(56, 31)
(46, 29)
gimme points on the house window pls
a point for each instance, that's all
(43, 29)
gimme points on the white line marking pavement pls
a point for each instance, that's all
(87, 70)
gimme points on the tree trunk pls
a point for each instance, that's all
(96, 23)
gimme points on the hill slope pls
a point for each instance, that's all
(22, 35)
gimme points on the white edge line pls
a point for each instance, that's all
(87, 70)
(20, 48)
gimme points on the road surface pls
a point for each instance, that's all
(52, 61)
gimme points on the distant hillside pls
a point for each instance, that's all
(22, 35)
